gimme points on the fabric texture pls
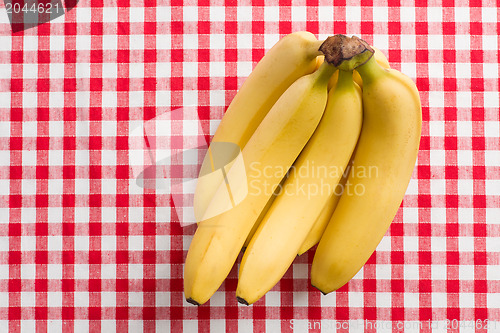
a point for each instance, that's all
(84, 248)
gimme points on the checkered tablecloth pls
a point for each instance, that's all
(84, 248)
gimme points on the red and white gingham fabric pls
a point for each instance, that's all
(82, 249)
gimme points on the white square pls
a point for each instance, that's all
(353, 14)
(56, 99)
(29, 159)
(163, 69)
(438, 272)
(273, 298)
(109, 326)
(108, 299)
(136, 70)
(359, 275)
(271, 13)
(466, 244)
(466, 300)
(466, 272)
(135, 271)
(109, 99)
(108, 271)
(110, 13)
(109, 42)
(300, 298)
(411, 300)
(491, 99)
(56, 70)
(436, 70)
(462, 42)
(135, 299)
(217, 325)
(217, 13)
(411, 272)
(190, 97)
(108, 243)
(437, 157)
(384, 245)
(55, 214)
(4, 299)
(464, 100)
(54, 299)
(57, 42)
(493, 272)
(356, 299)
(408, 42)
(462, 14)
(217, 97)
(136, 14)
(489, 15)
(491, 157)
(190, 42)
(384, 300)
(434, 14)
(30, 43)
(190, 13)
(490, 42)
(410, 243)
(82, 187)
(84, 15)
(436, 99)
(30, 100)
(81, 272)
(244, 13)
(438, 215)
(27, 299)
(27, 325)
(190, 69)
(466, 187)
(55, 326)
(163, 42)
(4, 247)
(108, 186)
(81, 299)
(136, 42)
(108, 214)
(81, 243)
(270, 40)
(217, 69)
(217, 42)
(436, 128)
(463, 70)
(56, 129)
(407, 14)
(27, 271)
(300, 271)
(464, 157)
(412, 188)
(325, 13)
(465, 215)
(82, 70)
(299, 14)
(244, 41)
(54, 271)
(218, 299)
(272, 325)
(493, 302)
(382, 41)
(329, 300)
(191, 325)
(383, 272)
(435, 42)
(438, 186)
(492, 187)
(82, 99)
(162, 271)
(438, 300)
(162, 242)
(28, 243)
(81, 326)
(163, 299)
(491, 129)
(108, 157)
(438, 244)
(492, 244)
(135, 243)
(163, 13)
(55, 186)
(83, 41)
(380, 14)
(54, 243)
(4, 103)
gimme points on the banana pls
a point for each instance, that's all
(267, 156)
(306, 191)
(314, 235)
(291, 58)
(385, 157)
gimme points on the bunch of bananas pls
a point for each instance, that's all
(328, 153)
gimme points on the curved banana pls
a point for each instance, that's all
(267, 157)
(306, 191)
(292, 57)
(385, 157)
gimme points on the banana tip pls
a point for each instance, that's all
(242, 301)
(192, 301)
(319, 290)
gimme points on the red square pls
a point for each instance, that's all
(68, 285)
(480, 258)
(14, 259)
(479, 172)
(397, 257)
(121, 257)
(69, 28)
(69, 143)
(68, 258)
(203, 83)
(452, 258)
(122, 56)
(425, 314)
(451, 172)
(397, 285)
(68, 229)
(231, 83)
(41, 285)
(121, 313)
(450, 143)
(94, 172)
(42, 200)
(16, 172)
(342, 313)
(449, 28)
(231, 27)
(257, 27)
(69, 84)
(367, 28)
(479, 201)
(149, 112)
(285, 27)
(16, 85)
(94, 229)
(94, 313)
(95, 113)
(16, 57)
(149, 55)
(43, 114)
(122, 113)
(478, 143)
(68, 313)
(94, 285)
(121, 285)
(370, 313)
(177, 27)
(14, 312)
(96, 28)
(204, 27)
(95, 84)
(16, 143)
(340, 27)
(231, 55)
(477, 84)
(42, 172)
(69, 172)
(42, 229)
(94, 200)
(41, 257)
(451, 229)
(43, 57)
(69, 55)
(176, 83)
(122, 144)
(203, 55)
(149, 228)
(176, 55)
(257, 55)
(149, 83)
(480, 286)
(122, 84)
(43, 85)
(425, 286)
(15, 201)
(476, 28)
(95, 142)
(149, 257)
(452, 286)
(40, 313)
(424, 258)
(421, 28)
(122, 200)
(148, 285)
(95, 257)
(15, 230)
(121, 229)
(394, 28)
(398, 314)
(149, 28)
(450, 84)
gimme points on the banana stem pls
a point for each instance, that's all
(346, 53)
(370, 70)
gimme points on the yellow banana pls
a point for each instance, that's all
(383, 163)
(314, 235)
(291, 58)
(267, 156)
(306, 191)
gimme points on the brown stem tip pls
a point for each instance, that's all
(192, 301)
(242, 301)
(345, 52)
